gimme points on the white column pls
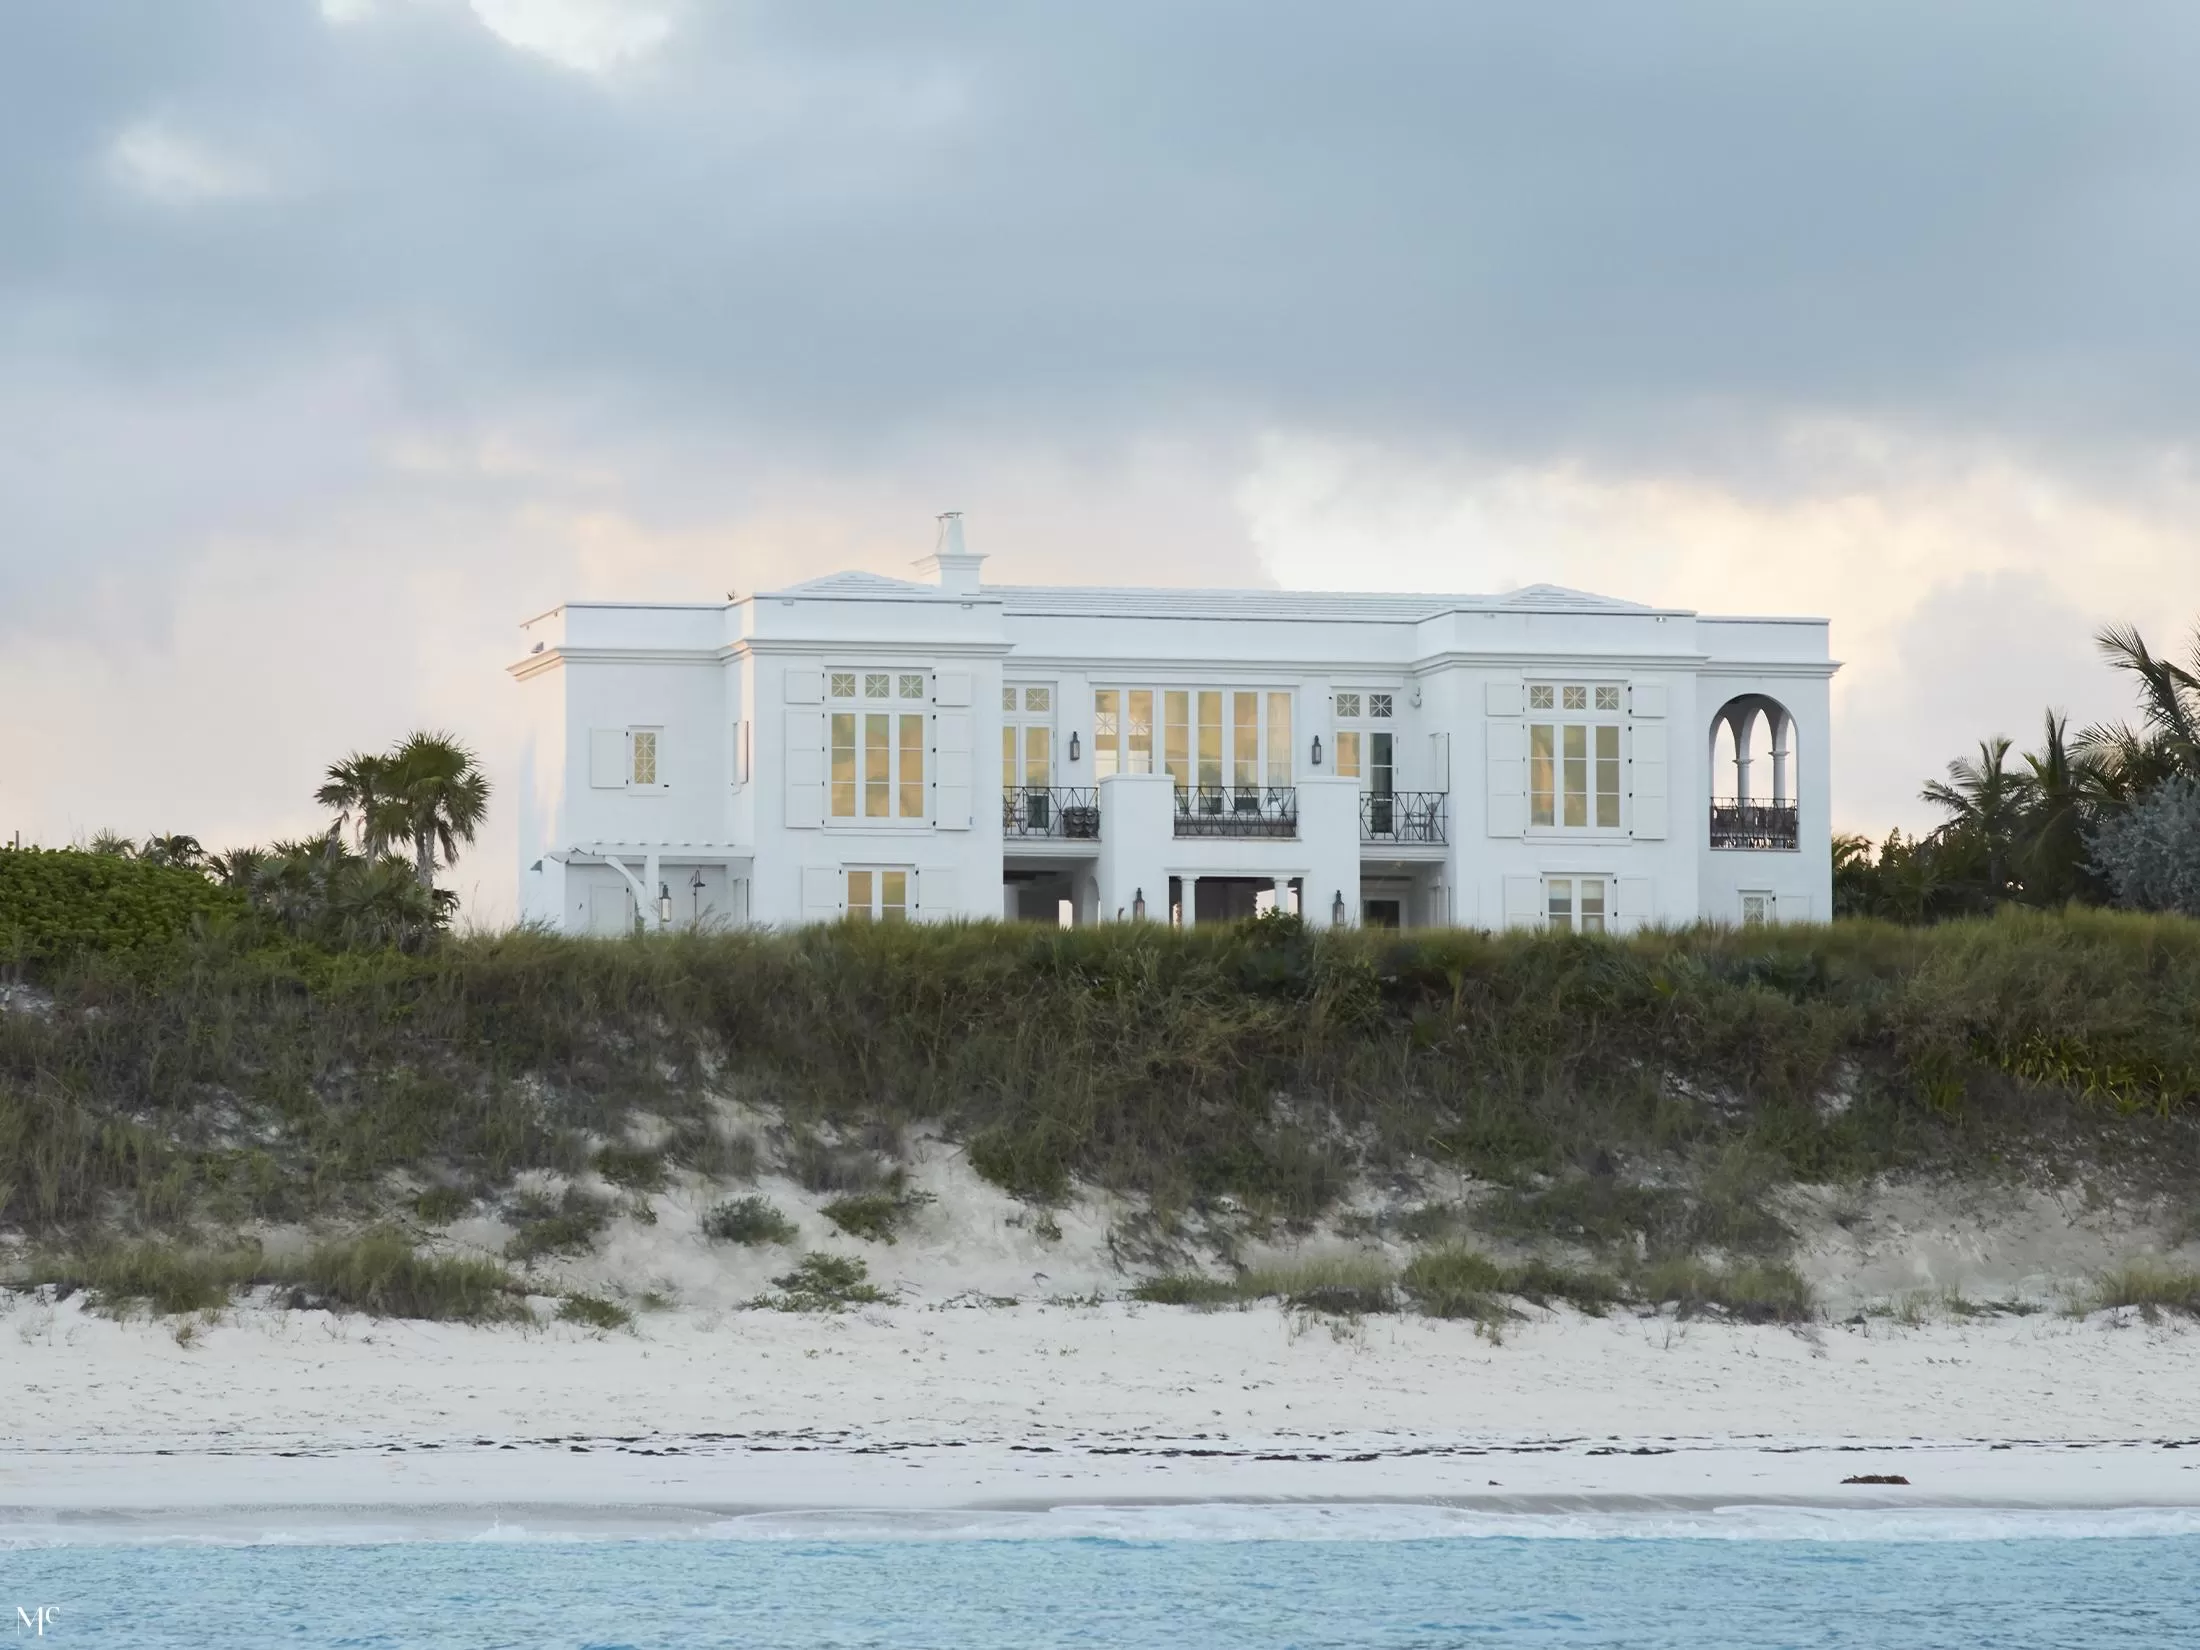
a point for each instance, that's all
(1283, 894)
(650, 872)
(1190, 886)
(1743, 724)
(1780, 726)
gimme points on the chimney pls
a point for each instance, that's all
(955, 567)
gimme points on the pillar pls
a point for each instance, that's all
(1190, 885)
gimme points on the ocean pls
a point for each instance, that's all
(1202, 1578)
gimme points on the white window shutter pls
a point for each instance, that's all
(740, 764)
(805, 687)
(1638, 907)
(804, 765)
(824, 891)
(951, 769)
(953, 688)
(1439, 761)
(1652, 811)
(936, 894)
(1523, 902)
(1508, 778)
(1646, 699)
(1501, 698)
(607, 759)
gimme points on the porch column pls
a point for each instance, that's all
(1780, 727)
(1743, 726)
(650, 870)
(1190, 885)
(1283, 895)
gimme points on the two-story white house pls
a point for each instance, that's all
(859, 746)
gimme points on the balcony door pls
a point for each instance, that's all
(1027, 751)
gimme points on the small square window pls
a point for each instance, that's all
(1540, 698)
(1577, 698)
(1038, 698)
(877, 684)
(1348, 704)
(1378, 705)
(1607, 698)
(844, 684)
(1008, 698)
(912, 685)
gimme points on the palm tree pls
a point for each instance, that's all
(2065, 794)
(179, 850)
(2167, 740)
(1985, 801)
(438, 797)
(358, 789)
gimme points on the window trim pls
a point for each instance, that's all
(656, 734)
(897, 709)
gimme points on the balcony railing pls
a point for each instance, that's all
(1402, 816)
(1737, 824)
(1237, 810)
(1062, 811)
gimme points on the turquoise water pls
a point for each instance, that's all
(1655, 1593)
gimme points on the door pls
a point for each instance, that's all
(1381, 913)
(611, 910)
(1381, 781)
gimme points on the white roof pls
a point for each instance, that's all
(1120, 602)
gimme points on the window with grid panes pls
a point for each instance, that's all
(875, 736)
(878, 894)
(1577, 905)
(1573, 756)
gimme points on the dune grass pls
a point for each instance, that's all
(2154, 1287)
(755, 1221)
(823, 1283)
(1664, 1084)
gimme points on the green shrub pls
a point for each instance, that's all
(594, 1311)
(1349, 1285)
(163, 1278)
(568, 1226)
(752, 1220)
(876, 1217)
(1031, 1163)
(1456, 1283)
(823, 1283)
(631, 1167)
(698, 1143)
(59, 903)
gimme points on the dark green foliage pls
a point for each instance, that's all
(569, 1225)
(752, 1220)
(1753, 1292)
(159, 1276)
(823, 1283)
(594, 1311)
(58, 904)
(876, 1217)
(698, 1143)
(1030, 1161)
(283, 1084)
(2149, 853)
(631, 1167)
(440, 1205)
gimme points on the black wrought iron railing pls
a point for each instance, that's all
(1051, 810)
(1237, 810)
(1402, 816)
(1754, 825)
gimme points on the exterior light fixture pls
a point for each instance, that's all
(1317, 750)
(664, 905)
(1336, 910)
(1075, 750)
(1138, 905)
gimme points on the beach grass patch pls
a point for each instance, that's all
(381, 1274)
(1186, 1289)
(566, 1225)
(699, 1143)
(632, 1168)
(2153, 1287)
(823, 1283)
(440, 1205)
(594, 1312)
(755, 1221)
(1750, 1292)
(875, 1217)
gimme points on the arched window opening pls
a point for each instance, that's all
(1753, 775)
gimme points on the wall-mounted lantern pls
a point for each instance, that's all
(1076, 751)
(664, 905)
(1317, 750)
(1138, 905)
(1336, 910)
(695, 892)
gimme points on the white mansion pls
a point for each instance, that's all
(1537, 758)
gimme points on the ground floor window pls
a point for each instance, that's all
(1577, 905)
(878, 894)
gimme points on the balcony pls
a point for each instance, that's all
(1737, 824)
(1237, 810)
(1062, 812)
(1403, 817)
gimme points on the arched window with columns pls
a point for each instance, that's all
(1753, 771)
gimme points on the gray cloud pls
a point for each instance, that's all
(1006, 254)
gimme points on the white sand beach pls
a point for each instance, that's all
(972, 1407)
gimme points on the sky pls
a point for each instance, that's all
(338, 336)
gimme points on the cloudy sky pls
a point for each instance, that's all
(336, 336)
